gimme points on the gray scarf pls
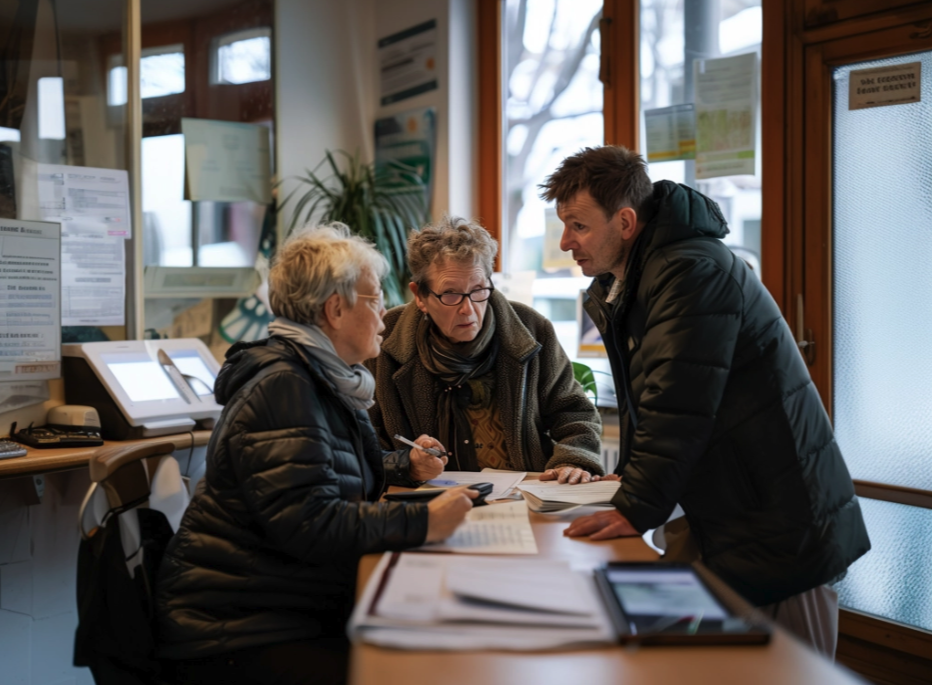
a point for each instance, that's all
(354, 385)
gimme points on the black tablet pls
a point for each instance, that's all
(669, 603)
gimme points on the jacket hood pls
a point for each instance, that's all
(243, 361)
(679, 213)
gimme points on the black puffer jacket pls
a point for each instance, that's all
(728, 423)
(267, 551)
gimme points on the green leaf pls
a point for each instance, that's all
(586, 379)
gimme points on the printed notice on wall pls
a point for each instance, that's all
(86, 198)
(226, 161)
(726, 115)
(408, 62)
(671, 133)
(92, 207)
(30, 290)
(882, 86)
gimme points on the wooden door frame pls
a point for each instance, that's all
(816, 174)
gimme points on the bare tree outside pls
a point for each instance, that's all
(553, 107)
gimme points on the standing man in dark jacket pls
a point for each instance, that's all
(720, 414)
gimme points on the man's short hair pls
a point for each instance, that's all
(316, 262)
(615, 177)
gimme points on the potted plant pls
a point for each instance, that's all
(381, 203)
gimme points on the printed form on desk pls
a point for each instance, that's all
(503, 482)
(492, 529)
(442, 601)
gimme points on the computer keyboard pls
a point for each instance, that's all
(10, 449)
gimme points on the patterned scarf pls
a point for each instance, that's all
(354, 385)
(459, 367)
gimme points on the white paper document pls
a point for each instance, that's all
(85, 199)
(726, 115)
(493, 529)
(30, 300)
(549, 495)
(92, 206)
(226, 161)
(442, 601)
(503, 482)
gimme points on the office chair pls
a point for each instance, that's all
(123, 537)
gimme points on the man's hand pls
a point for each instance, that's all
(567, 474)
(601, 526)
(608, 476)
(425, 466)
(446, 512)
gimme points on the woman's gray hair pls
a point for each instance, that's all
(316, 262)
(452, 238)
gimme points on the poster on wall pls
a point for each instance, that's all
(30, 300)
(409, 138)
(226, 161)
(671, 133)
(726, 115)
(408, 62)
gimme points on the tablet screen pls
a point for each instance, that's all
(670, 600)
(142, 379)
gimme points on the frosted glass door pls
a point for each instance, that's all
(882, 332)
(882, 280)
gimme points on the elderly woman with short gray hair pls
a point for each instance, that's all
(258, 583)
(485, 375)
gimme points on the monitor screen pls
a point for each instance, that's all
(190, 363)
(590, 339)
(141, 378)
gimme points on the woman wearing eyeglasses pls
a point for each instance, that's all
(485, 375)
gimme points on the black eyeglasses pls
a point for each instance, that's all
(454, 299)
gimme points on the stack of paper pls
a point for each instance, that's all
(494, 529)
(550, 496)
(439, 601)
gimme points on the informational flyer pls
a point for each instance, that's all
(30, 304)
(408, 62)
(671, 133)
(409, 138)
(93, 280)
(86, 197)
(726, 115)
(226, 161)
(14, 395)
(92, 207)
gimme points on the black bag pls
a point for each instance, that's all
(116, 634)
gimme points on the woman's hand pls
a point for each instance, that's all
(567, 474)
(446, 512)
(425, 466)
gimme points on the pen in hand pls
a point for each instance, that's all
(430, 450)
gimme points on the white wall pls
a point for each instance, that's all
(324, 96)
(455, 100)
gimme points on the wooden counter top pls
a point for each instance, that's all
(62, 459)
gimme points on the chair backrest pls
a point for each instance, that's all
(122, 544)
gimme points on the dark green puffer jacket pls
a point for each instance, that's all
(267, 551)
(724, 418)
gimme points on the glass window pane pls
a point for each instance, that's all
(245, 57)
(882, 206)
(161, 74)
(553, 107)
(893, 579)
(673, 34)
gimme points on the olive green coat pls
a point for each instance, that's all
(548, 420)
